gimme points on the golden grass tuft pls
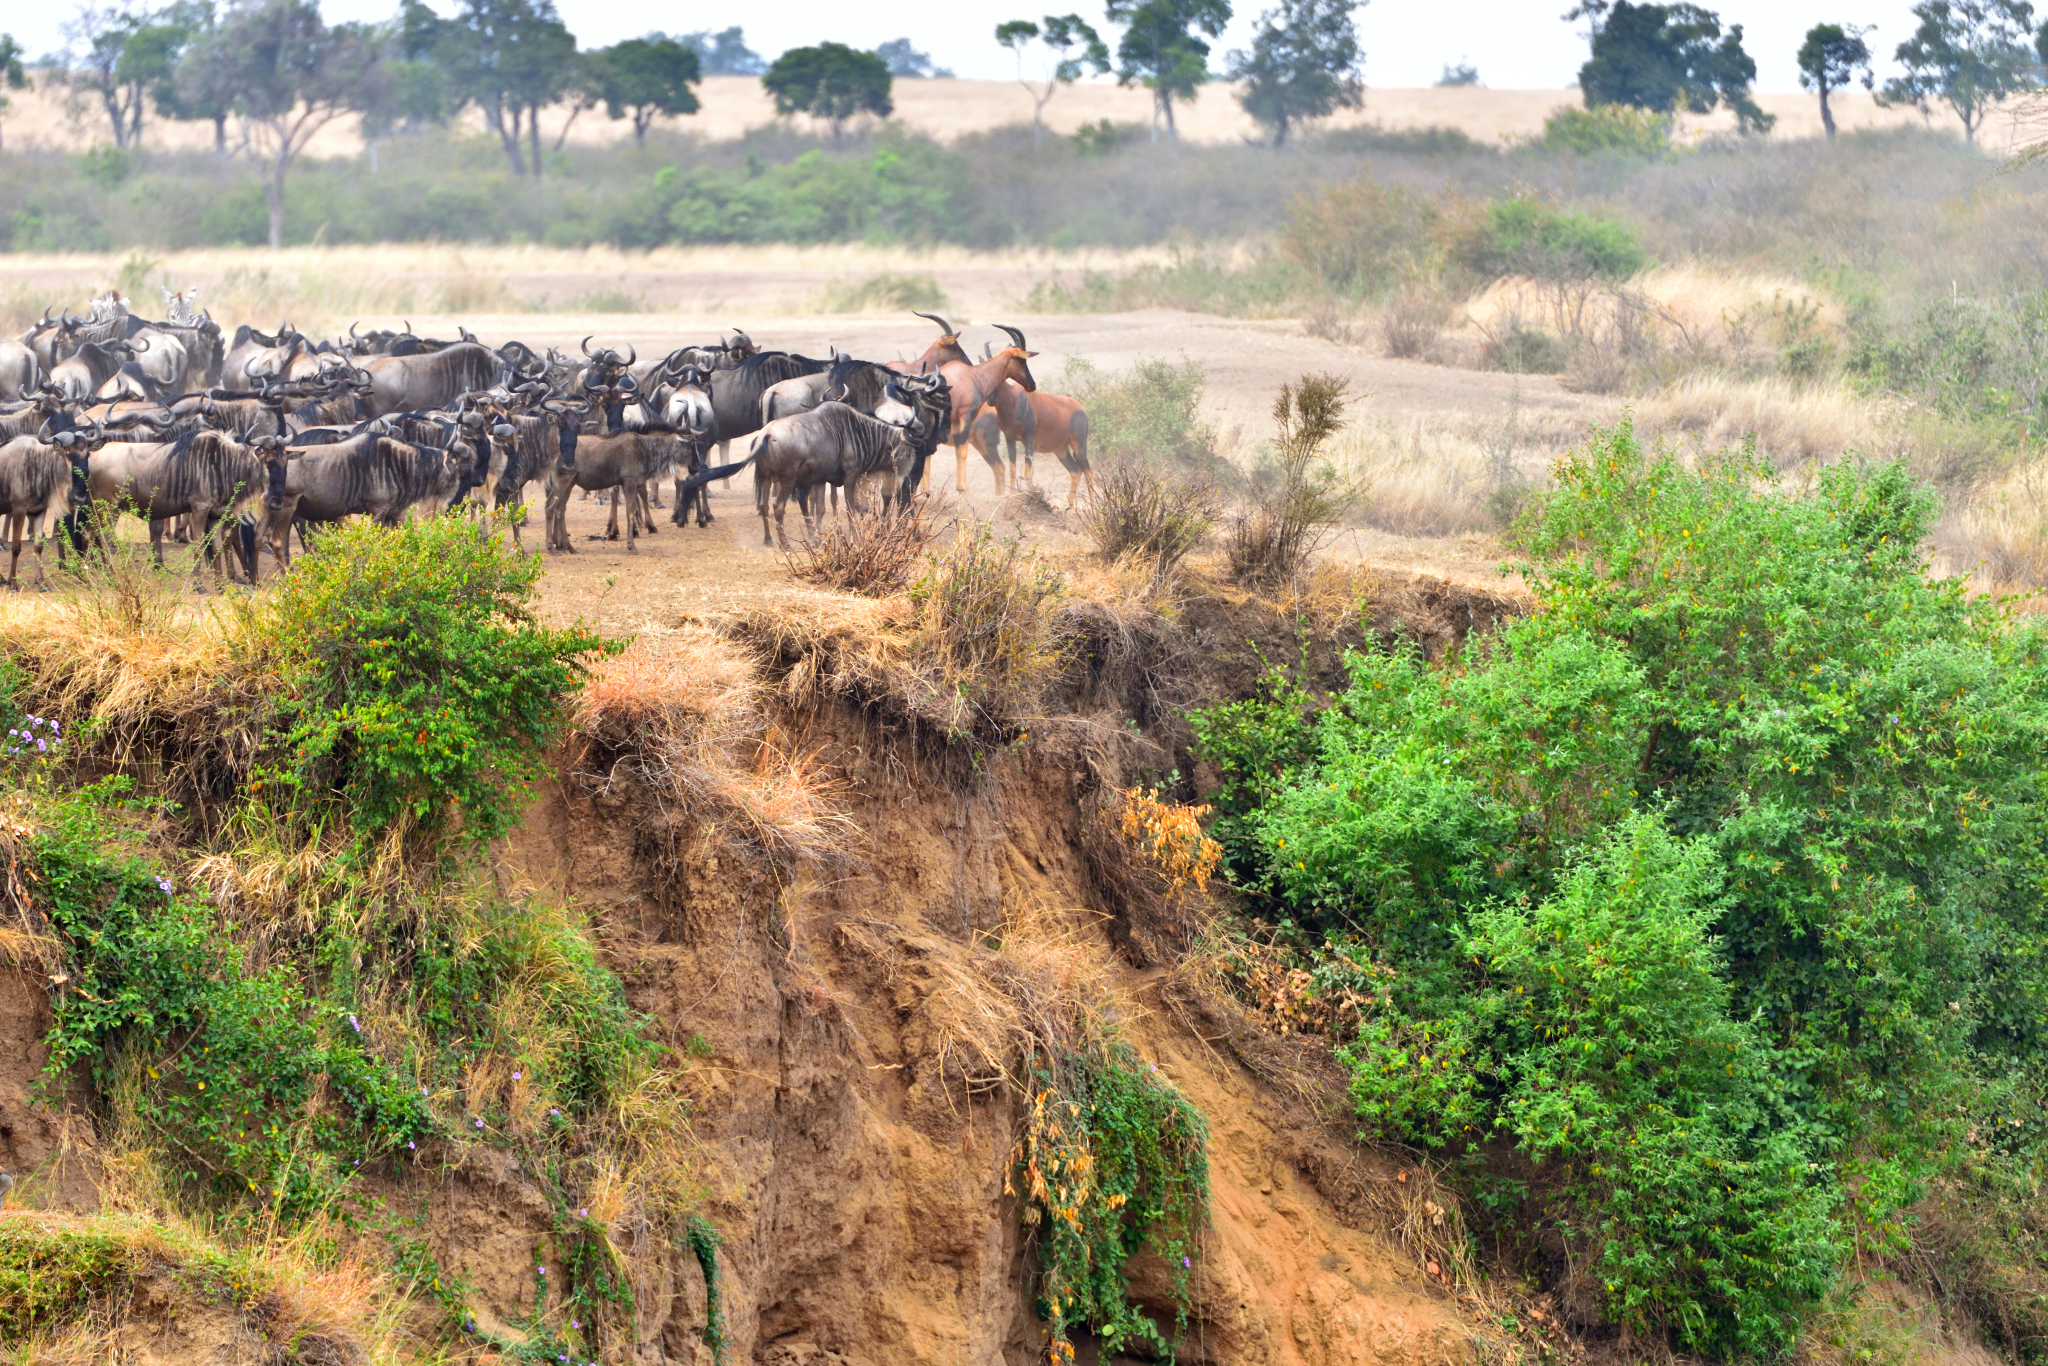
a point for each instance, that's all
(686, 717)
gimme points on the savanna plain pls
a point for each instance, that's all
(1501, 821)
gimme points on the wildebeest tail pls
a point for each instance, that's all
(703, 477)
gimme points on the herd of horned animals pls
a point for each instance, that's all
(238, 441)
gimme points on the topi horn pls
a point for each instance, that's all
(945, 328)
(1016, 335)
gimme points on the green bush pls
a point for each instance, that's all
(1151, 412)
(419, 686)
(224, 1062)
(1113, 1162)
(1522, 235)
(1610, 128)
(1711, 889)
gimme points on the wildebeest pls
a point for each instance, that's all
(830, 444)
(21, 373)
(39, 478)
(206, 476)
(433, 379)
(736, 393)
(680, 402)
(80, 375)
(609, 460)
(365, 474)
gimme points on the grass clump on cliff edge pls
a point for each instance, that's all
(1704, 903)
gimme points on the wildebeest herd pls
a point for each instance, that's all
(238, 441)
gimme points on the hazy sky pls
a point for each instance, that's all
(1514, 43)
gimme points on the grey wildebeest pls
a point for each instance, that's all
(206, 476)
(80, 375)
(432, 379)
(679, 401)
(608, 460)
(21, 372)
(830, 444)
(367, 474)
(39, 477)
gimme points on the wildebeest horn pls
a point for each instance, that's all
(465, 333)
(1016, 335)
(352, 330)
(945, 328)
(586, 349)
(632, 354)
(132, 347)
(408, 327)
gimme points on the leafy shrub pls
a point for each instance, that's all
(1150, 412)
(52, 1277)
(1413, 322)
(1611, 128)
(885, 291)
(1359, 235)
(1522, 350)
(1157, 515)
(1298, 494)
(1112, 1161)
(1703, 889)
(1968, 358)
(1522, 235)
(420, 686)
(905, 191)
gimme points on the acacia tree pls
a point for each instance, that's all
(1968, 54)
(648, 78)
(832, 82)
(13, 75)
(1303, 64)
(1075, 46)
(1663, 57)
(291, 76)
(1829, 59)
(724, 53)
(1161, 51)
(127, 55)
(512, 58)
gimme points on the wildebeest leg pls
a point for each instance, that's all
(17, 523)
(629, 494)
(782, 492)
(653, 495)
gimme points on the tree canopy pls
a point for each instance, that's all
(1303, 64)
(647, 78)
(831, 82)
(724, 53)
(906, 61)
(1829, 59)
(1074, 46)
(291, 75)
(1666, 57)
(1162, 49)
(512, 58)
(1968, 54)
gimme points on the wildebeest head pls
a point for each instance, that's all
(271, 450)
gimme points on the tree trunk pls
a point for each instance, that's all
(1969, 125)
(641, 118)
(533, 136)
(273, 194)
(1172, 132)
(1827, 115)
(510, 140)
(220, 133)
(116, 116)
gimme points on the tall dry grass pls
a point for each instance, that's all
(686, 717)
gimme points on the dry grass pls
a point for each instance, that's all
(685, 717)
(877, 553)
(1151, 513)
